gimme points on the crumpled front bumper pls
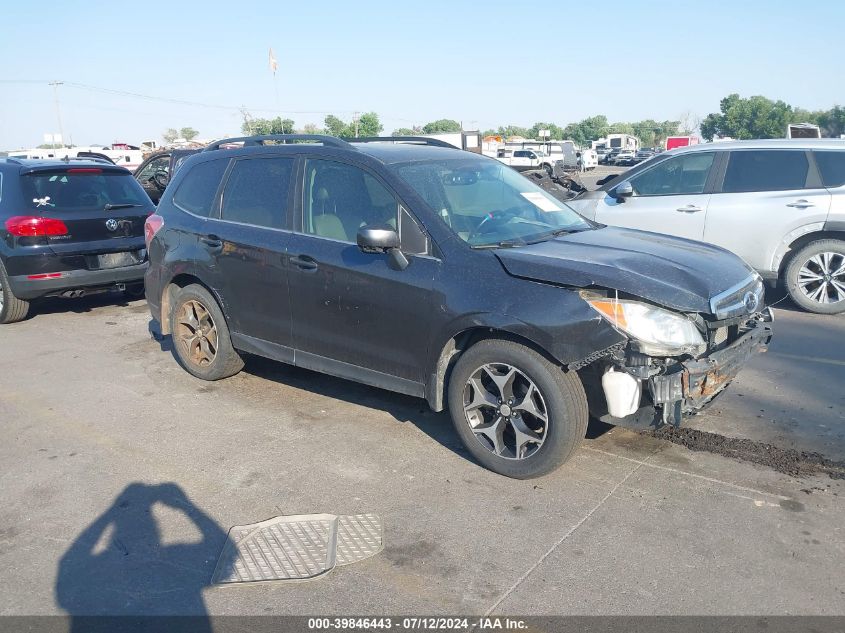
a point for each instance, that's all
(698, 381)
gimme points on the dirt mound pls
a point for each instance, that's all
(787, 461)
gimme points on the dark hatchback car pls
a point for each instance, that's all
(68, 228)
(446, 275)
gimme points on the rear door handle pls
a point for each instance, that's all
(801, 204)
(690, 208)
(212, 242)
(304, 262)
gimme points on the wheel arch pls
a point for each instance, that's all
(451, 350)
(790, 249)
(171, 288)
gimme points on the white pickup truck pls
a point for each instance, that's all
(525, 159)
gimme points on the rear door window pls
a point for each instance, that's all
(256, 192)
(766, 170)
(685, 174)
(832, 167)
(197, 191)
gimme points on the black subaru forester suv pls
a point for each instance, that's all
(68, 228)
(432, 271)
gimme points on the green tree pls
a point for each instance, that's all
(832, 122)
(441, 126)
(408, 131)
(586, 130)
(261, 127)
(754, 117)
(171, 134)
(368, 125)
(555, 131)
(334, 126)
(511, 130)
(188, 133)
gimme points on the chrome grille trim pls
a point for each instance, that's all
(731, 302)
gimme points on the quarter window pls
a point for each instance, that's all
(197, 191)
(765, 170)
(257, 192)
(832, 168)
(686, 174)
(341, 198)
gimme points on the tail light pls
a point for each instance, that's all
(35, 226)
(152, 226)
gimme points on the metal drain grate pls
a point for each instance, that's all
(297, 547)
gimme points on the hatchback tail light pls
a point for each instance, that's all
(152, 226)
(35, 226)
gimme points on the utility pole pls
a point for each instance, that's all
(56, 85)
(355, 119)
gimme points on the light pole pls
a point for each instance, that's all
(56, 85)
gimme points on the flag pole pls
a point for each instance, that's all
(274, 66)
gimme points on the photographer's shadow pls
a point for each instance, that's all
(120, 565)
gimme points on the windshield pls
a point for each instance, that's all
(489, 204)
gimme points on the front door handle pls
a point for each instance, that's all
(800, 204)
(213, 242)
(304, 262)
(690, 208)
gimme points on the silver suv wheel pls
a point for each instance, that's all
(505, 411)
(822, 278)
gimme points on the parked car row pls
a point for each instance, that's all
(451, 264)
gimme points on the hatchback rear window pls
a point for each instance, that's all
(766, 170)
(81, 189)
(832, 168)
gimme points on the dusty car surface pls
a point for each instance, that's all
(445, 275)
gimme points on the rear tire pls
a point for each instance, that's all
(527, 429)
(815, 277)
(12, 309)
(201, 341)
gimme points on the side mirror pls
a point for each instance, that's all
(382, 239)
(623, 190)
(377, 238)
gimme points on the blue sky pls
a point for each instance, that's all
(485, 63)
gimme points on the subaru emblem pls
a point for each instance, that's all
(111, 224)
(750, 301)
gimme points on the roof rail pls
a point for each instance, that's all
(419, 140)
(252, 141)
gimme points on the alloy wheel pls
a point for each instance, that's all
(197, 333)
(505, 411)
(822, 278)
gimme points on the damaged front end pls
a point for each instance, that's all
(642, 383)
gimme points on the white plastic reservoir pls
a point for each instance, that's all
(622, 392)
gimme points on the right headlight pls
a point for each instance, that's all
(659, 332)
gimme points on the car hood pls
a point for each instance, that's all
(670, 271)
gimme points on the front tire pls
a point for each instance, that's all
(12, 309)
(815, 277)
(516, 412)
(201, 341)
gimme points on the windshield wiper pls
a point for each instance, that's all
(502, 244)
(125, 205)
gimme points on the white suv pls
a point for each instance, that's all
(778, 204)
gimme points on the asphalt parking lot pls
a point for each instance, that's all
(122, 474)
